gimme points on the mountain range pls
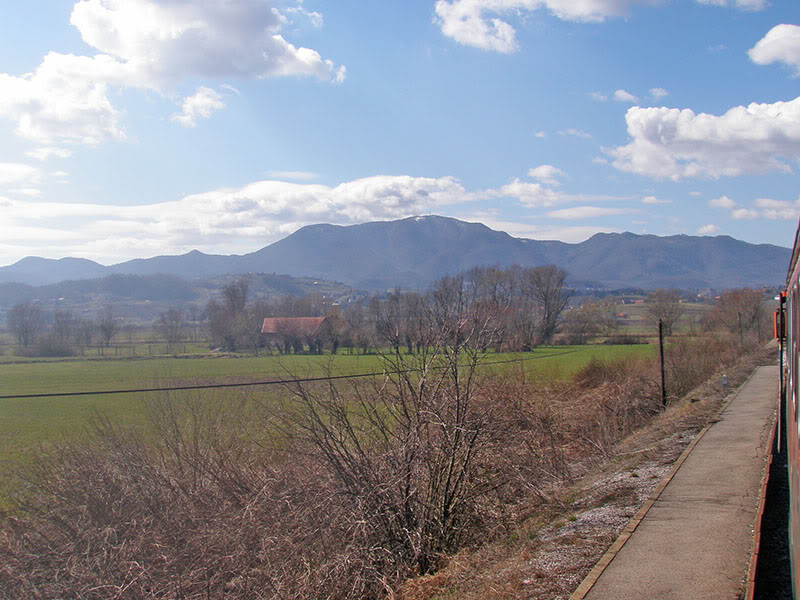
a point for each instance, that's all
(413, 252)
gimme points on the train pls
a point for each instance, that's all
(787, 330)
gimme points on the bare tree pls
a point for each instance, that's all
(63, 327)
(411, 457)
(84, 331)
(546, 285)
(25, 322)
(172, 325)
(741, 311)
(664, 305)
(235, 295)
(582, 323)
(107, 325)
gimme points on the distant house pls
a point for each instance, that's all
(304, 326)
(293, 332)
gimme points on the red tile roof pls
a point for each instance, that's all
(293, 325)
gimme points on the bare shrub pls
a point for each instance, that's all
(339, 492)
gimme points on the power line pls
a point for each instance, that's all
(263, 383)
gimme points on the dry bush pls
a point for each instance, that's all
(345, 491)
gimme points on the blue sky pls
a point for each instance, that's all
(131, 128)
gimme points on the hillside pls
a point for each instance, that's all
(413, 252)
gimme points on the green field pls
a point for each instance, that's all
(26, 423)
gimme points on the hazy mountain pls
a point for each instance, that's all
(415, 251)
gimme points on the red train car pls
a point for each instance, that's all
(787, 329)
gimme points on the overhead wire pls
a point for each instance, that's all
(267, 382)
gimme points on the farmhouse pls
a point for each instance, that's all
(293, 332)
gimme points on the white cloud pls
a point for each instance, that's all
(779, 209)
(46, 152)
(204, 102)
(547, 174)
(781, 44)
(625, 96)
(165, 41)
(294, 175)
(673, 143)
(598, 96)
(708, 230)
(658, 92)
(18, 174)
(225, 220)
(26, 191)
(571, 234)
(478, 23)
(537, 195)
(655, 200)
(541, 134)
(64, 100)
(744, 213)
(579, 133)
(695, 194)
(149, 44)
(765, 208)
(741, 4)
(588, 212)
(722, 202)
(468, 21)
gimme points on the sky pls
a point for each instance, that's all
(135, 128)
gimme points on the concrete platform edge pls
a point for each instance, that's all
(591, 579)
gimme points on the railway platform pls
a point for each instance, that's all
(694, 538)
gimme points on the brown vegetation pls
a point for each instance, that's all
(329, 491)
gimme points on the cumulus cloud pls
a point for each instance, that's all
(481, 24)
(588, 212)
(708, 230)
(155, 45)
(469, 22)
(294, 175)
(764, 208)
(64, 100)
(781, 44)
(571, 234)
(164, 41)
(658, 92)
(546, 174)
(226, 220)
(538, 195)
(675, 144)
(781, 210)
(204, 102)
(722, 202)
(625, 96)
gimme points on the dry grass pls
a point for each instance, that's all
(553, 548)
(196, 509)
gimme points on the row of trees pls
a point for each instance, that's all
(524, 307)
(61, 333)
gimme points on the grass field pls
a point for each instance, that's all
(28, 422)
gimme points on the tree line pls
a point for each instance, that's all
(523, 307)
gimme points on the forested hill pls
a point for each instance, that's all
(415, 251)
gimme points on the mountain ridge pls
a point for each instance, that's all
(415, 251)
